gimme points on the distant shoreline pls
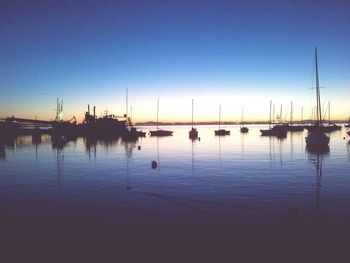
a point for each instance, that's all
(151, 123)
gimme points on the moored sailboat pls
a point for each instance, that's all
(221, 132)
(278, 130)
(315, 136)
(243, 128)
(331, 127)
(160, 132)
(193, 133)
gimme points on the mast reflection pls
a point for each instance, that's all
(316, 156)
(60, 163)
(129, 147)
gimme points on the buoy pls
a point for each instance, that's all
(154, 164)
(139, 147)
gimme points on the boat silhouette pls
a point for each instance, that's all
(316, 136)
(243, 128)
(291, 126)
(159, 132)
(277, 130)
(193, 133)
(221, 132)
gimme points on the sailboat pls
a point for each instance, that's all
(291, 127)
(331, 126)
(278, 130)
(347, 125)
(243, 129)
(193, 133)
(315, 136)
(159, 132)
(221, 132)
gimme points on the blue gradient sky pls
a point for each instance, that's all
(230, 52)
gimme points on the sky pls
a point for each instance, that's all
(234, 53)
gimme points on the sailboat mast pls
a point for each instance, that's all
(270, 115)
(242, 117)
(192, 113)
(57, 110)
(329, 113)
(319, 117)
(219, 115)
(291, 112)
(281, 120)
(302, 111)
(131, 114)
(126, 102)
(157, 112)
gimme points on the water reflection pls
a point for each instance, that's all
(60, 141)
(91, 144)
(36, 138)
(60, 163)
(243, 135)
(8, 141)
(273, 154)
(129, 147)
(316, 156)
(158, 162)
(192, 154)
(2, 152)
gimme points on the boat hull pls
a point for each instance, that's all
(193, 134)
(244, 130)
(326, 129)
(222, 132)
(317, 139)
(295, 128)
(280, 133)
(161, 133)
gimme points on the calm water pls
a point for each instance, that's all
(221, 185)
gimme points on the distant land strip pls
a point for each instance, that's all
(153, 123)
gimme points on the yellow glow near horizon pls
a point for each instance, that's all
(177, 107)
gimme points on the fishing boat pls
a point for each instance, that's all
(159, 132)
(243, 128)
(193, 133)
(277, 130)
(316, 136)
(221, 132)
